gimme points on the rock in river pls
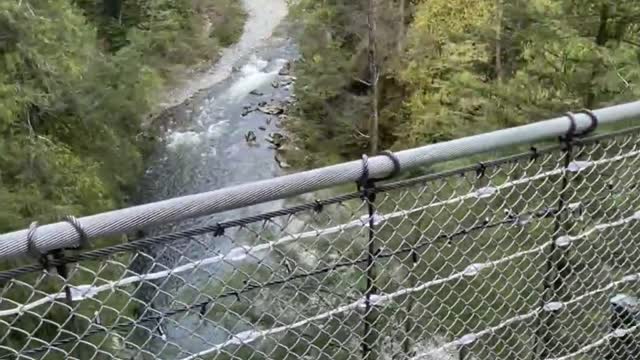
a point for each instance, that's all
(286, 69)
(283, 164)
(273, 109)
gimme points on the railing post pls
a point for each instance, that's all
(412, 279)
(370, 316)
(367, 187)
(556, 262)
(61, 268)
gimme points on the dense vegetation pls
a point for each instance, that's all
(443, 69)
(448, 68)
(76, 79)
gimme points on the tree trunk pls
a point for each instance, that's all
(499, 40)
(112, 8)
(402, 28)
(601, 39)
(374, 74)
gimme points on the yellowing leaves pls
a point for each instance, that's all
(443, 17)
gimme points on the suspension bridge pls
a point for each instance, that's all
(529, 250)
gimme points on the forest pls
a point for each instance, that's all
(79, 78)
(76, 81)
(396, 74)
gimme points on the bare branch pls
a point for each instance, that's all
(362, 81)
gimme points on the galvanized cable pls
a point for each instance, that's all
(82, 292)
(167, 238)
(240, 253)
(63, 235)
(221, 227)
(318, 204)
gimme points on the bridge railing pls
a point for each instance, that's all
(529, 256)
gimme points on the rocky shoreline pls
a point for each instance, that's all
(277, 115)
(178, 116)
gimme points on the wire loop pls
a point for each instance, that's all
(396, 165)
(31, 241)
(83, 238)
(594, 122)
(364, 177)
(571, 133)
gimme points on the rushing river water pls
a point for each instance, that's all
(206, 150)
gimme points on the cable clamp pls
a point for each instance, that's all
(482, 168)
(318, 206)
(43, 259)
(32, 248)
(571, 133)
(534, 153)
(594, 122)
(396, 165)
(219, 231)
(573, 127)
(366, 185)
(83, 238)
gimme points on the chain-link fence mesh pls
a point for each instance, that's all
(534, 256)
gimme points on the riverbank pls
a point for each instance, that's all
(73, 141)
(261, 19)
(203, 147)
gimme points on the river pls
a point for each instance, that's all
(204, 149)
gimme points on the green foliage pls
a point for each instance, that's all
(327, 112)
(227, 22)
(555, 55)
(76, 79)
(45, 123)
(469, 66)
(465, 67)
(71, 111)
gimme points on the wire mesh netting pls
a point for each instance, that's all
(534, 256)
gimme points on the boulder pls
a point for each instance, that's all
(281, 162)
(285, 70)
(247, 111)
(250, 137)
(277, 139)
(273, 109)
